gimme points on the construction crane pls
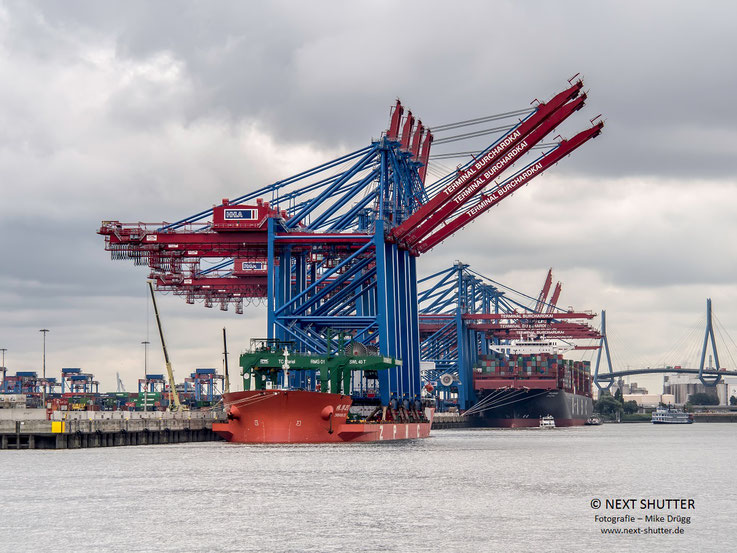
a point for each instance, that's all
(169, 370)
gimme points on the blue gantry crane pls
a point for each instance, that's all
(463, 312)
(333, 250)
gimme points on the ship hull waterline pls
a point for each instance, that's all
(295, 416)
(566, 408)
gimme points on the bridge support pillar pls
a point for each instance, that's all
(603, 345)
(709, 336)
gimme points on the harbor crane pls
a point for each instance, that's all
(334, 249)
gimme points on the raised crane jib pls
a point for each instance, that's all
(425, 155)
(407, 131)
(509, 186)
(541, 113)
(554, 298)
(393, 132)
(416, 138)
(544, 292)
(469, 190)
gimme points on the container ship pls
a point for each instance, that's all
(275, 407)
(515, 389)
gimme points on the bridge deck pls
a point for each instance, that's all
(670, 370)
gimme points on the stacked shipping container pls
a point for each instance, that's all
(569, 375)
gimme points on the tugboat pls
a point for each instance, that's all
(593, 420)
(671, 415)
(547, 422)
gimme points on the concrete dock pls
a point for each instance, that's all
(31, 430)
(452, 420)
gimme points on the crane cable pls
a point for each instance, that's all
(479, 120)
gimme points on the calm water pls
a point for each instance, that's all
(465, 491)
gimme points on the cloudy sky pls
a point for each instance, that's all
(143, 111)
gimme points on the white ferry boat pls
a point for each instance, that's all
(670, 415)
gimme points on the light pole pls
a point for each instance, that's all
(3, 368)
(44, 330)
(145, 374)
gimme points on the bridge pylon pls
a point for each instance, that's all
(603, 345)
(709, 380)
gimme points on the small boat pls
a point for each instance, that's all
(593, 421)
(547, 421)
(671, 415)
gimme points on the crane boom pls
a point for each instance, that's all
(395, 120)
(554, 298)
(409, 124)
(544, 292)
(416, 139)
(480, 182)
(225, 354)
(509, 186)
(170, 372)
(543, 111)
(425, 155)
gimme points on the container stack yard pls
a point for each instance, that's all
(79, 391)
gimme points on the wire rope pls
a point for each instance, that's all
(720, 326)
(479, 120)
(473, 134)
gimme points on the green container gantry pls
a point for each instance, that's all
(265, 362)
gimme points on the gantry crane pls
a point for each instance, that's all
(334, 247)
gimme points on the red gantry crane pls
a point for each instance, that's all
(224, 260)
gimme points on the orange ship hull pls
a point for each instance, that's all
(291, 416)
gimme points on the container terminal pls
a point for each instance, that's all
(334, 252)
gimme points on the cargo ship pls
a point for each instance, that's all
(515, 388)
(297, 416)
(276, 408)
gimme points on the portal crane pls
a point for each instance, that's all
(336, 245)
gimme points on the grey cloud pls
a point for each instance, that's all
(153, 111)
(320, 74)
